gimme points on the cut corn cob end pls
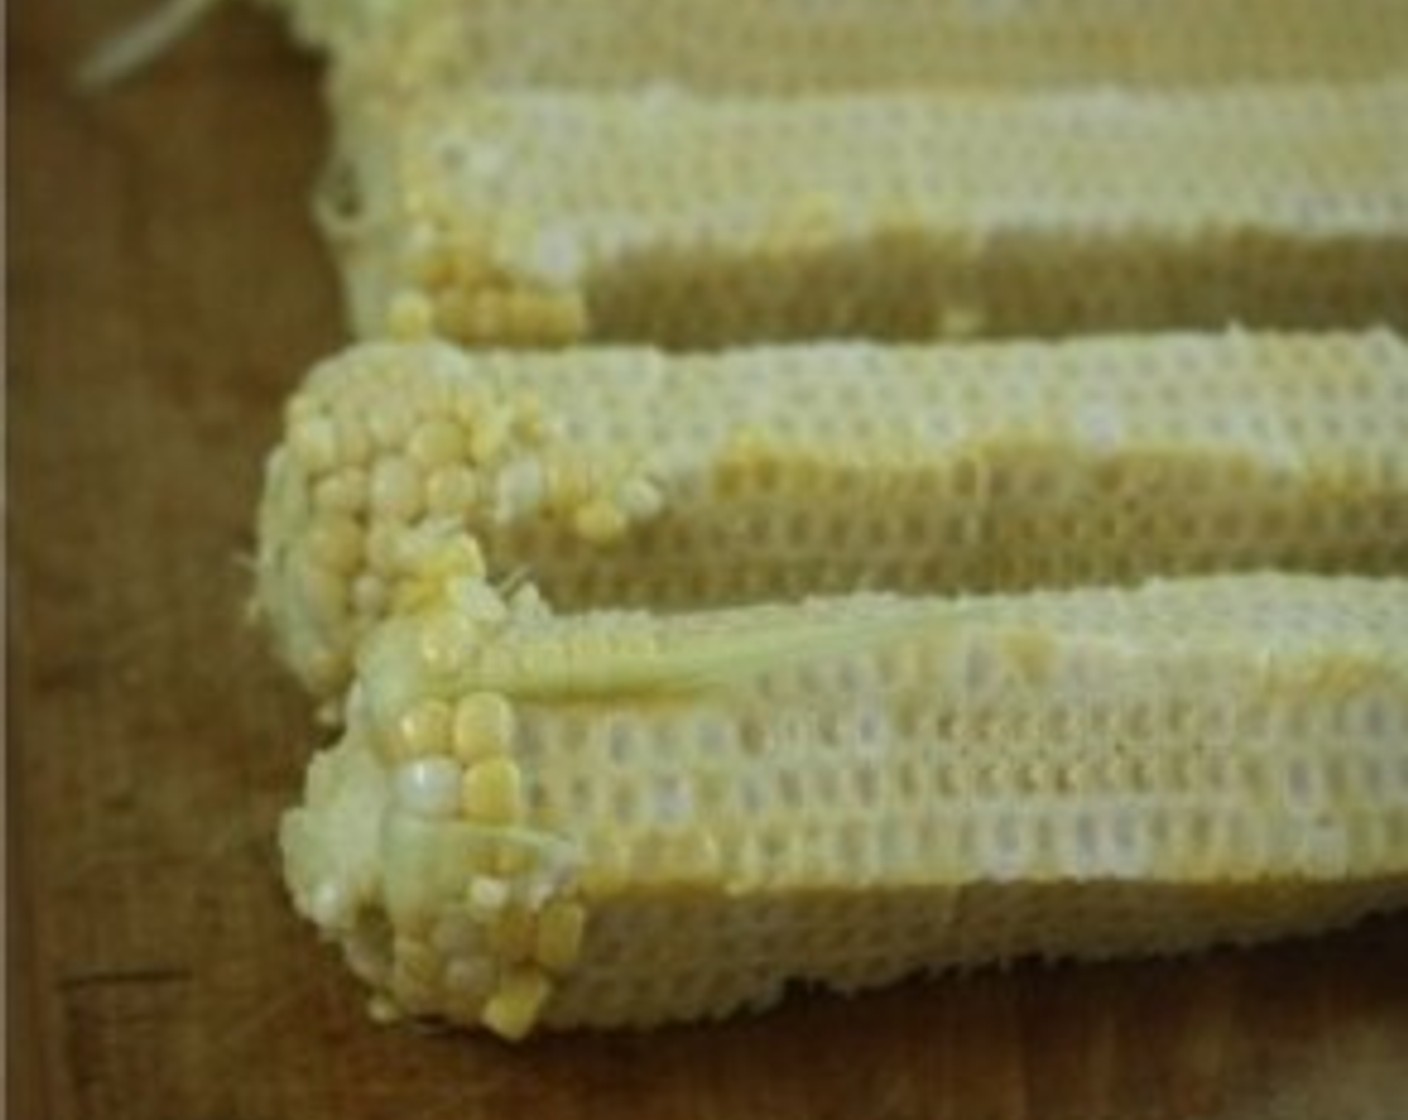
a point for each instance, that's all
(415, 847)
(379, 495)
(471, 845)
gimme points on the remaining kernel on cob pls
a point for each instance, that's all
(790, 45)
(623, 819)
(534, 218)
(631, 477)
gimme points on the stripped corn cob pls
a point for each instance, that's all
(624, 819)
(785, 45)
(626, 477)
(540, 218)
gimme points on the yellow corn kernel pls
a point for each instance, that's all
(493, 791)
(600, 522)
(395, 489)
(514, 1008)
(421, 731)
(483, 726)
(488, 897)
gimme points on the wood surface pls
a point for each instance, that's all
(166, 291)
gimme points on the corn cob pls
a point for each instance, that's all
(624, 819)
(541, 218)
(789, 45)
(626, 477)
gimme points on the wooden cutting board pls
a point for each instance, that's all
(167, 292)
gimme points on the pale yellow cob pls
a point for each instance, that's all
(625, 819)
(631, 477)
(789, 45)
(541, 218)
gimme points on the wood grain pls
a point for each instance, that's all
(167, 291)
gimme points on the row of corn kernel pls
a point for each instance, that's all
(495, 952)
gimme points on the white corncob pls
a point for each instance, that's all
(635, 478)
(625, 819)
(534, 218)
(788, 45)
